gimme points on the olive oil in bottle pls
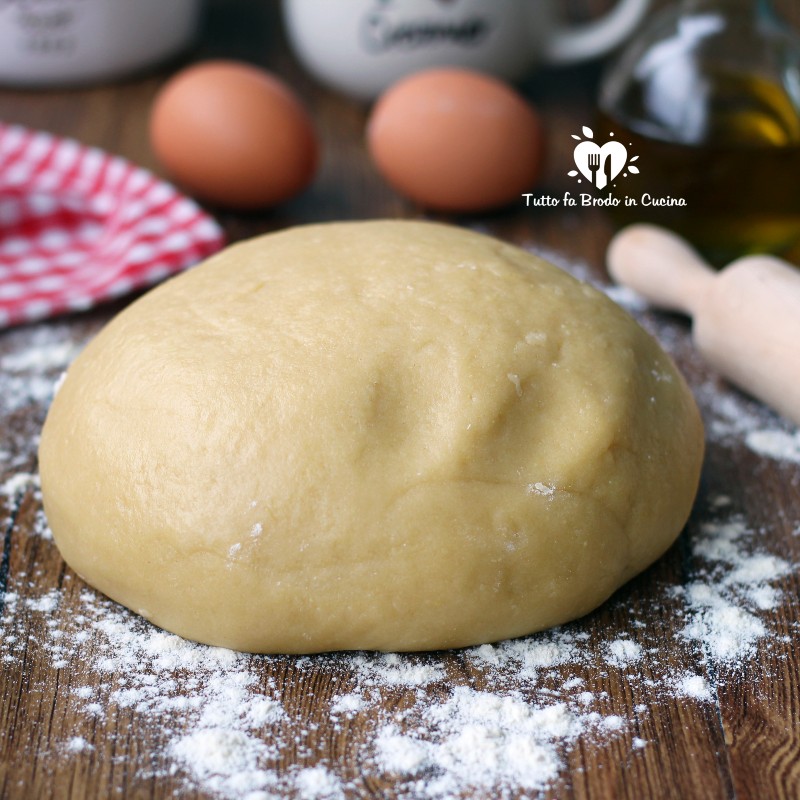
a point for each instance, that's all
(708, 100)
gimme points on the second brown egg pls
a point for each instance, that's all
(456, 140)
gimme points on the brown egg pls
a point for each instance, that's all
(455, 140)
(234, 135)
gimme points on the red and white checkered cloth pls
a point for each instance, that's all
(79, 226)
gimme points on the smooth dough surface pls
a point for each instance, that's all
(383, 435)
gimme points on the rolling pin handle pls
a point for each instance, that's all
(661, 267)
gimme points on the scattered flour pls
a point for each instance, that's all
(42, 356)
(17, 391)
(480, 741)
(226, 730)
(727, 631)
(77, 744)
(28, 374)
(393, 669)
(733, 418)
(224, 761)
(623, 651)
(625, 297)
(775, 443)
(721, 610)
(613, 723)
(18, 484)
(316, 783)
(40, 526)
(348, 704)
(46, 603)
(694, 686)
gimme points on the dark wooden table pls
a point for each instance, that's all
(742, 741)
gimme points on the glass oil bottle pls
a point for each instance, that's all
(708, 97)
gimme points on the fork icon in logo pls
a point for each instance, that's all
(594, 165)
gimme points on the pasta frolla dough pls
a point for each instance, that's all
(381, 435)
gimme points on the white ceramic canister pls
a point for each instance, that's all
(68, 42)
(362, 46)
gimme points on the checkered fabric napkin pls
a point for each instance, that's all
(79, 226)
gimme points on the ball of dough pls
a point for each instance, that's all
(383, 435)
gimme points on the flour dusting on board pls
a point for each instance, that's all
(501, 725)
(530, 700)
(28, 375)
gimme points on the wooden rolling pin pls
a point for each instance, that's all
(746, 317)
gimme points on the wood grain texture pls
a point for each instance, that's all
(744, 744)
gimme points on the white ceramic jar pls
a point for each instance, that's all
(362, 46)
(66, 42)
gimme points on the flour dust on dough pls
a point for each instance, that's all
(384, 435)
